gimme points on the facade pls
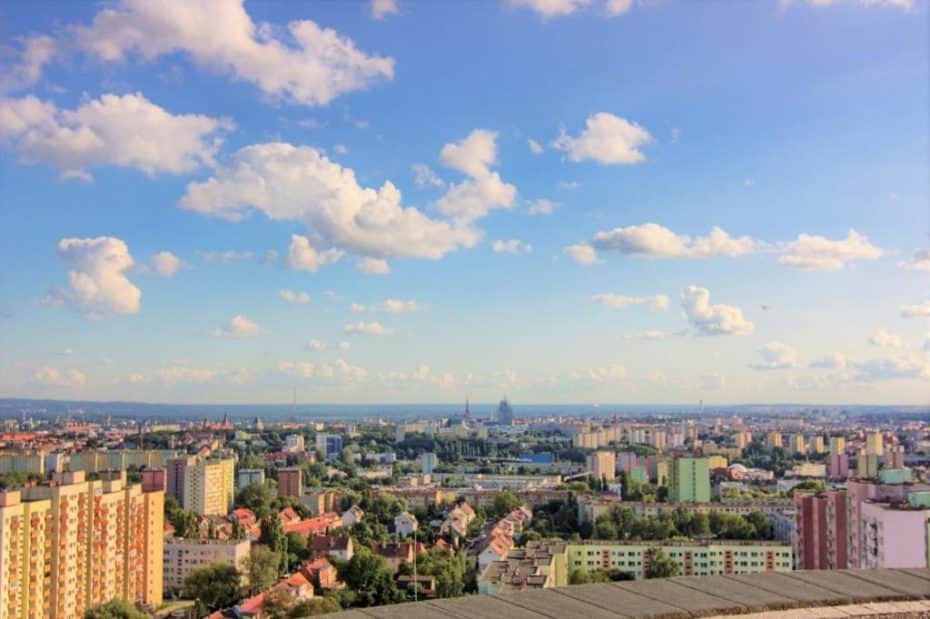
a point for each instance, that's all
(206, 487)
(153, 480)
(602, 465)
(321, 500)
(839, 466)
(294, 443)
(247, 477)
(405, 524)
(797, 445)
(893, 536)
(544, 564)
(504, 413)
(690, 482)
(290, 481)
(184, 555)
(821, 533)
(428, 463)
(330, 445)
(837, 445)
(874, 443)
(70, 545)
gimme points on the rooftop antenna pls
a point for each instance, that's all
(701, 402)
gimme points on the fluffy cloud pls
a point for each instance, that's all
(166, 264)
(294, 296)
(817, 253)
(423, 176)
(238, 327)
(379, 9)
(710, 319)
(884, 339)
(900, 368)
(289, 183)
(301, 369)
(659, 301)
(511, 246)
(220, 35)
(316, 345)
(542, 207)
(776, 356)
(373, 266)
(550, 8)
(126, 131)
(395, 306)
(921, 310)
(483, 190)
(37, 51)
(655, 241)
(581, 253)
(607, 139)
(920, 261)
(833, 361)
(535, 147)
(225, 257)
(301, 256)
(99, 285)
(48, 375)
(367, 328)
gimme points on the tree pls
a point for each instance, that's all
(659, 565)
(256, 497)
(505, 502)
(272, 535)
(114, 609)
(369, 579)
(262, 568)
(581, 576)
(317, 606)
(218, 585)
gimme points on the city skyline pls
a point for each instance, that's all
(377, 202)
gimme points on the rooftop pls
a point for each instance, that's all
(690, 596)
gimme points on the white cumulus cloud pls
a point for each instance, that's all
(294, 296)
(511, 246)
(483, 190)
(655, 241)
(776, 356)
(710, 319)
(581, 253)
(423, 176)
(884, 339)
(535, 147)
(166, 264)
(238, 327)
(920, 261)
(367, 328)
(99, 285)
(126, 131)
(290, 183)
(921, 310)
(619, 301)
(818, 253)
(373, 266)
(311, 65)
(606, 139)
(379, 9)
(542, 206)
(48, 375)
(301, 255)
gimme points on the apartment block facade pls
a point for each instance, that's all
(204, 486)
(690, 482)
(185, 555)
(72, 544)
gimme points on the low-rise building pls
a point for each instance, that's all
(185, 555)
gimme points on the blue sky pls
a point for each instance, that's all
(511, 197)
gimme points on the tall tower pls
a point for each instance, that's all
(467, 411)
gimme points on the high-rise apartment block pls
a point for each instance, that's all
(821, 532)
(329, 445)
(874, 443)
(204, 486)
(290, 481)
(72, 544)
(690, 482)
(602, 465)
(837, 445)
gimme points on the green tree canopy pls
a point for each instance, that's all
(114, 609)
(216, 586)
(660, 565)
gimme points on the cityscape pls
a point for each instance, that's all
(464, 310)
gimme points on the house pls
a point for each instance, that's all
(405, 524)
(288, 515)
(352, 516)
(331, 547)
(426, 585)
(457, 521)
(322, 573)
(318, 525)
(493, 548)
(396, 553)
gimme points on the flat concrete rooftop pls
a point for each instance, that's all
(690, 596)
